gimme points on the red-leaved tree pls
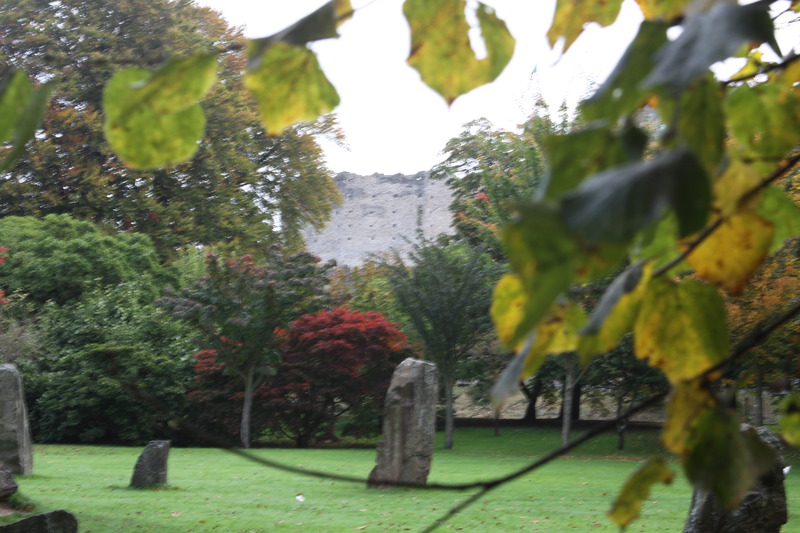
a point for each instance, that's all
(332, 362)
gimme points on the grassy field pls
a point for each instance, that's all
(211, 490)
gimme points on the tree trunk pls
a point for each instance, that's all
(570, 379)
(247, 409)
(532, 394)
(622, 424)
(448, 419)
(759, 397)
(575, 410)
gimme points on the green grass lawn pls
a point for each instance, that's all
(211, 490)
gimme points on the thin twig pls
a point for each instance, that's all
(769, 68)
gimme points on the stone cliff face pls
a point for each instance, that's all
(377, 215)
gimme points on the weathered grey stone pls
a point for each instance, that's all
(763, 509)
(16, 449)
(8, 485)
(381, 213)
(52, 522)
(409, 425)
(151, 467)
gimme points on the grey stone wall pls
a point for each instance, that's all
(378, 213)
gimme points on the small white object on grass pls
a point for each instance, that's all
(300, 498)
(786, 470)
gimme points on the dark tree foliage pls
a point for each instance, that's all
(238, 307)
(229, 192)
(446, 291)
(332, 363)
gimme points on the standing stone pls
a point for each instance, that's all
(409, 425)
(52, 522)
(763, 509)
(8, 485)
(16, 449)
(151, 468)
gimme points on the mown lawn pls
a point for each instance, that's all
(211, 490)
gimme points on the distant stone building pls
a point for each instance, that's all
(379, 213)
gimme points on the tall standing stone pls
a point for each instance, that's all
(151, 467)
(763, 509)
(16, 449)
(409, 425)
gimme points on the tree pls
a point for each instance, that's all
(332, 363)
(59, 258)
(489, 170)
(445, 292)
(72, 392)
(243, 187)
(237, 308)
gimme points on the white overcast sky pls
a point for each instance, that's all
(396, 124)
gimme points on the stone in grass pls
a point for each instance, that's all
(16, 448)
(763, 509)
(52, 522)
(8, 485)
(151, 467)
(409, 425)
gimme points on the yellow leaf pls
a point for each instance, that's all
(615, 314)
(628, 504)
(508, 308)
(738, 179)
(441, 51)
(661, 9)
(681, 328)
(687, 401)
(289, 86)
(789, 420)
(572, 15)
(734, 251)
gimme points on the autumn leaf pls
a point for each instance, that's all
(730, 255)
(615, 313)
(666, 10)
(776, 207)
(681, 328)
(687, 400)
(789, 419)
(441, 51)
(572, 15)
(153, 120)
(627, 506)
(290, 87)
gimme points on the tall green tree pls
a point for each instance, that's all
(242, 187)
(445, 291)
(238, 307)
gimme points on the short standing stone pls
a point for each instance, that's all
(16, 449)
(151, 468)
(409, 425)
(8, 485)
(763, 509)
(52, 522)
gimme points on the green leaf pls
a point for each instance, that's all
(615, 313)
(546, 258)
(776, 206)
(572, 15)
(14, 94)
(290, 87)
(26, 107)
(584, 152)
(724, 460)
(613, 205)
(441, 51)
(180, 83)
(681, 328)
(622, 93)
(321, 24)
(700, 120)
(659, 245)
(138, 133)
(628, 505)
(789, 419)
(764, 120)
(708, 37)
